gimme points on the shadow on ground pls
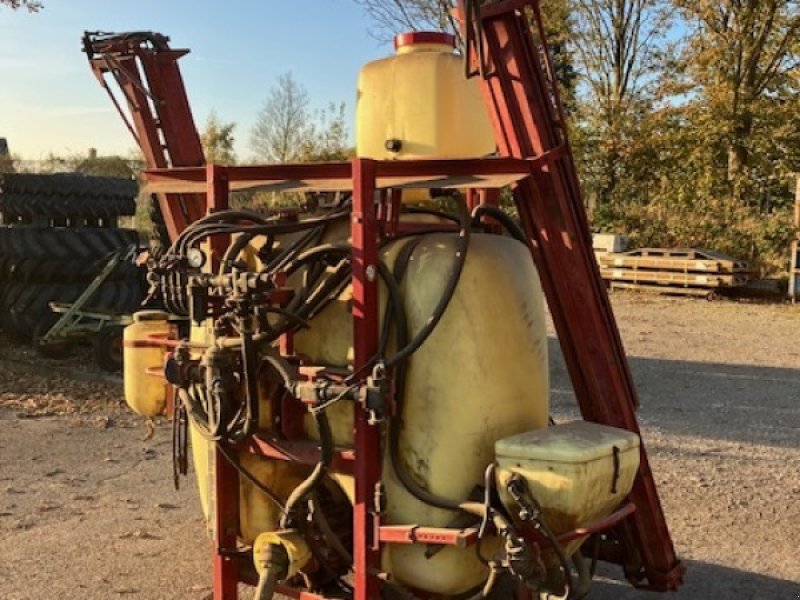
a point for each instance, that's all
(703, 581)
(737, 403)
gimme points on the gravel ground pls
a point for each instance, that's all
(88, 509)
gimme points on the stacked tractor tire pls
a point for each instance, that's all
(58, 232)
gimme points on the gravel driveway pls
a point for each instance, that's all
(88, 509)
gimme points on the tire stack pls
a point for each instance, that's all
(58, 233)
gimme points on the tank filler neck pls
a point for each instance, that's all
(424, 41)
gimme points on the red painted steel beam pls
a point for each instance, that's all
(304, 452)
(225, 477)
(366, 521)
(343, 170)
(522, 100)
(160, 117)
(440, 536)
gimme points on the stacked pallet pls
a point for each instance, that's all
(686, 271)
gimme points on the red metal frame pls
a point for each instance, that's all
(364, 460)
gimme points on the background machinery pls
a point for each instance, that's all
(365, 389)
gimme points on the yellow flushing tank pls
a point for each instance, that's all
(146, 393)
(419, 104)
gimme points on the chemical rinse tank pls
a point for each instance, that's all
(475, 392)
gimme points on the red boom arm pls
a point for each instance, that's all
(156, 111)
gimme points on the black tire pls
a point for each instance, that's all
(107, 348)
(59, 350)
(59, 243)
(65, 271)
(68, 184)
(23, 207)
(28, 303)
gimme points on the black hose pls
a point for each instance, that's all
(447, 295)
(251, 478)
(320, 469)
(499, 215)
(318, 516)
(265, 590)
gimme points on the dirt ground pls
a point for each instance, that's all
(88, 509)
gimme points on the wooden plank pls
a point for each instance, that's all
(662, 289)
(684, 254)
(670, 264)
(673, 278)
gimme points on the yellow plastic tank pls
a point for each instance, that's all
(146, 393)
(481, 376)
(419, 104)
(579, 472)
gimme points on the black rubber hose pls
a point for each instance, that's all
(447, 295)
(318, 515)
(250, 381)
(320, 469)
(251, 478)
(503, 218)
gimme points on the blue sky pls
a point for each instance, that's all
(50, 102)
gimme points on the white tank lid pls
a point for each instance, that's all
(575, 442)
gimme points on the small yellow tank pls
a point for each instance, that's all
(419, 104)
(579, 472)
(146, 394)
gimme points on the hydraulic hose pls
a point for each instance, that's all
(320, 469)
(447, 295)
(503, 218)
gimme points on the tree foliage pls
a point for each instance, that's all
(30, 5)
(283, 124)
(218, 140)
(741, 64)
(397, 16)
(619, 52)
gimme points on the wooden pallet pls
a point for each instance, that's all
(674, 278)
(680, 259)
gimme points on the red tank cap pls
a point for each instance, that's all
(424, 37)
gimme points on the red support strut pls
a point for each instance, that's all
(366, 520)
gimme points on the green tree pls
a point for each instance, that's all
(327, 136)
(742, 67)
(619, 50)
(283, 124)
(398, 16)
(218, 140)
